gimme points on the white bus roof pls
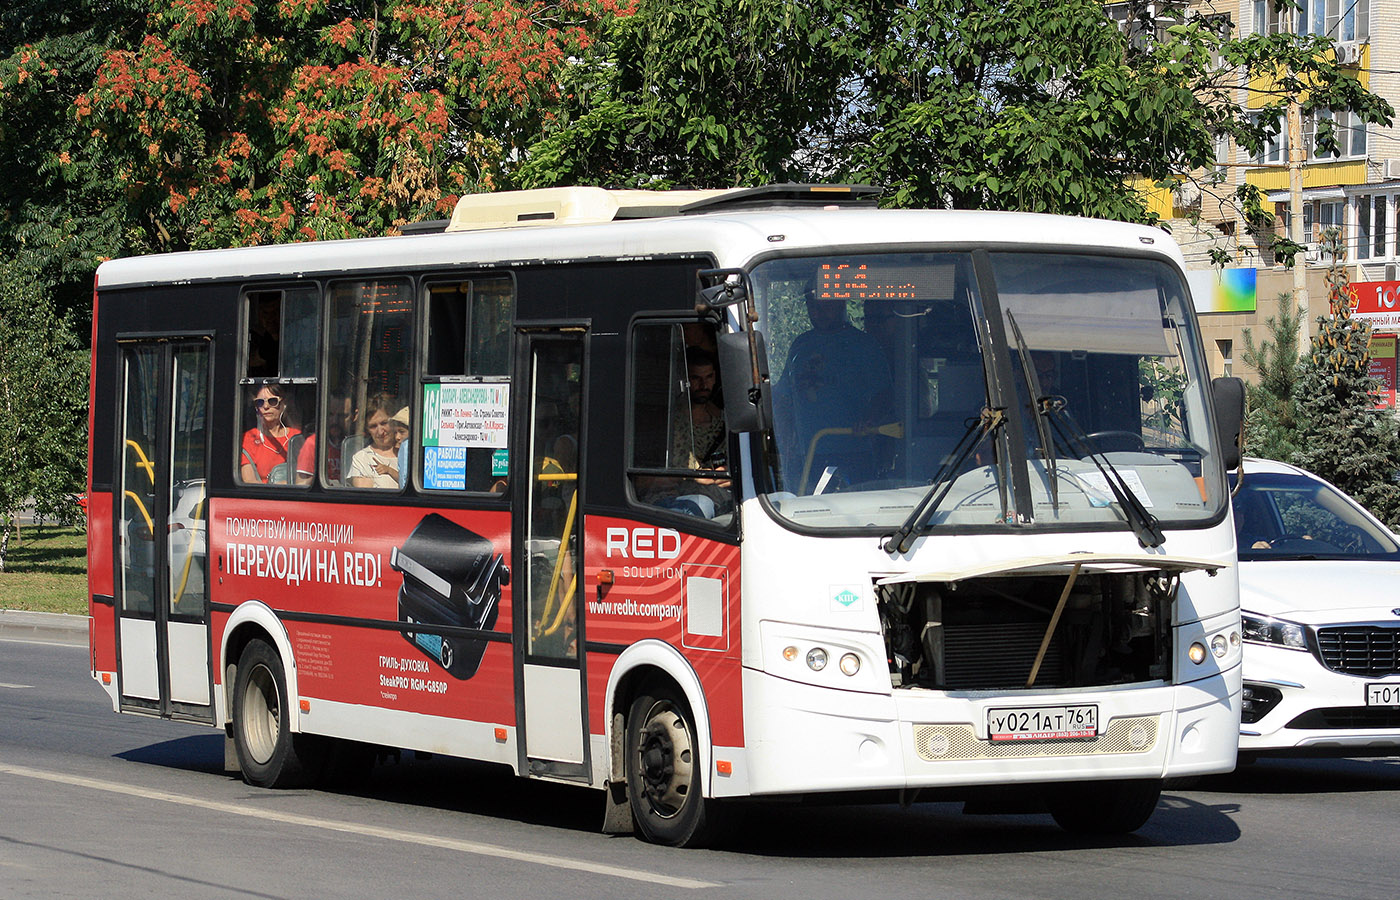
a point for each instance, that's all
(731, 238)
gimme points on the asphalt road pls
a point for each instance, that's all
(94, 804)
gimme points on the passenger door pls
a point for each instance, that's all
(550, 672)
(162, 588)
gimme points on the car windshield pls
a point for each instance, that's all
(1020, 385)
(1288, 516)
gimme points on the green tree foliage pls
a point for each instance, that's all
(61, 211)
(43, 404)
(983, 104)
(228, 122)
(711, 93)
(1343, 437)
(1271, 424)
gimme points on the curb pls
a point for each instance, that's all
(47, 628)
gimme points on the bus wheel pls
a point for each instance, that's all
(269, 754)
(663, 770)
(1103, 807)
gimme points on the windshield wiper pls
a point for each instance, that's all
(1041, 408)
(1145, 525)
(978, 431)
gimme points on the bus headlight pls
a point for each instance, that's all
(850, 664)
(1219, 646)
(1197, 653)
(816, 659)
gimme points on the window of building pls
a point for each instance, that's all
(278, 388)
(367, 359)
(1269, 18)
(465, 389)
(1341, 20)
(1227, 357)
(1348, 135)
(679, 448)
(1275, 149)
(1372, 231)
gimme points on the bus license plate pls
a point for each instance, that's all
(1383, 695)
(1043, 723)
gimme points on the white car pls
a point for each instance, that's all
(1319, 579)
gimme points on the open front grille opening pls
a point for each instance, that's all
(991, 633)
(998, 656)
(1360, 650)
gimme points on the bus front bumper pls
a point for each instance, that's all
(802, 738)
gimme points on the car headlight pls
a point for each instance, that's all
(1264, 630)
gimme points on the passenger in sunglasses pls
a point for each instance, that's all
(268, 444)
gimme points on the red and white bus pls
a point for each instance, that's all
(683, 496)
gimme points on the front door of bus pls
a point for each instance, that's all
(550, 674)
(160, 530)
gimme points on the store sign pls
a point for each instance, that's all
(1383, 369)
(1377, 302)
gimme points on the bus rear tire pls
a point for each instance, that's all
(269, 754)
(663, 770)
(1103, 807)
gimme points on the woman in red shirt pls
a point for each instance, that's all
(267, 444)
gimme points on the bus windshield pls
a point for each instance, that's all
(1020, 389)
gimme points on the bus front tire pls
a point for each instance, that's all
(663, 770)
(269, 754)
(1103, 807)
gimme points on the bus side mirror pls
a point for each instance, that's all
(1228, 396)
(748, 404)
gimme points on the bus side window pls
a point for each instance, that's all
(467, 367)
(679, 443)
(277, 437)
(367, 367)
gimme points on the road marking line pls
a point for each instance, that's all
(374, 831)
(17, 687)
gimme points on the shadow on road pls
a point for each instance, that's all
(1202, 815)
(1307, 776)
(196, 753)
(786, 829)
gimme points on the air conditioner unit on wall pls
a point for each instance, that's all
(1348, 53)
(1392, 168)
(1186, 196)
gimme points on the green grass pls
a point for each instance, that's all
(46, 571)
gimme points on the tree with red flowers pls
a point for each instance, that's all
(230, 122)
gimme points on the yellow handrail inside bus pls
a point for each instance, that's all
(150, 526)
(145, 462)
(550, 612)
(893, 429)
(189, 556)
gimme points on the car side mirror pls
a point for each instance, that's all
(1227, 394)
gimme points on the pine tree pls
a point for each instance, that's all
(1344, 438)
(1271, 426)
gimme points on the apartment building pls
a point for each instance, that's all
(1356, 188)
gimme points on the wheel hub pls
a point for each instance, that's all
(664, 754)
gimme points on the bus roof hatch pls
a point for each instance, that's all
(568, 206)
(590, 205)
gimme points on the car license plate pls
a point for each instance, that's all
(1043, 723)
(1383, 695)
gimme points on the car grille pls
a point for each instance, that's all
(1348, 717)
(1360, 650)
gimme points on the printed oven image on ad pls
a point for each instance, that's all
(452, 578)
